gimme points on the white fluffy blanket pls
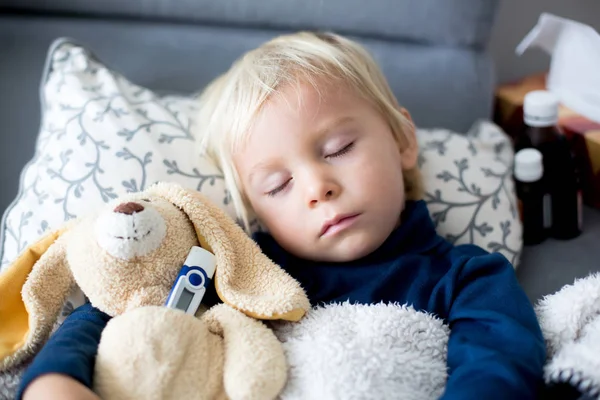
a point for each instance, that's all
(354, 352)
(381, 351)
(365, 352)
(570, 321)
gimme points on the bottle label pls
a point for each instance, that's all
(547, 211)
(520, 207)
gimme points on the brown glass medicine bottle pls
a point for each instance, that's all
(560, 180)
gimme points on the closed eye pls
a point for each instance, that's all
(341, 152)
(279, 188)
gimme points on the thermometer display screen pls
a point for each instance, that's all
(184, 300)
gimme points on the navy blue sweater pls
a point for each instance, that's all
(495, 351)
(71, 350)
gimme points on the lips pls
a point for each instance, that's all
(338, 224)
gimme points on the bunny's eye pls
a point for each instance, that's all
(147, 200)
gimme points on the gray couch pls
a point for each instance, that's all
(434, 53)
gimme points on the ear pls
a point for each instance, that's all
(33, 289)
(254, 360)
(245, 278)
(410, 152)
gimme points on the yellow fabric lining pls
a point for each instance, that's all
(294, 316)
(14, 319)
(203, 243)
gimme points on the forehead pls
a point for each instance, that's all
(299, 102)
(302, 110)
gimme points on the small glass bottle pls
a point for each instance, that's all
(561, 181)
(534, 204)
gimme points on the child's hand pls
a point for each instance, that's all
(55, 386)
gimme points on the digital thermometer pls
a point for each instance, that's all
(193, 280)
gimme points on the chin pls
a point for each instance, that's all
(352, 249)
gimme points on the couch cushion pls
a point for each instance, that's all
(448, 22)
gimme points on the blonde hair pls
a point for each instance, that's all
(231, 103)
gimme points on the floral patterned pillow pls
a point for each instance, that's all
(102, 136)
(469, 187)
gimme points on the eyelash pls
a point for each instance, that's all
(278, 189)
(341, 152)
(338, 153)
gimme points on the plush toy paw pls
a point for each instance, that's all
(254, 362)
(158, 353)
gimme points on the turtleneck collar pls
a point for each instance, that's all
(415, 235)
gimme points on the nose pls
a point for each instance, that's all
(321, 190)
(129, 208)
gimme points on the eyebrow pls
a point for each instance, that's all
(261, 166)
(336, 122)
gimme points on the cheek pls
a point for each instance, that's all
(379, 186)
(269, 211)
(281, 217)
(377, 172)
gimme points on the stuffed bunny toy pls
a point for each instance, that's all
(125, 258)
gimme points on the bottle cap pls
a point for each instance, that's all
(540, 108)
(528, 165)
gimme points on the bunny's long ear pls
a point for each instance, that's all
(254, 366)
(245, 278)
(32, 292)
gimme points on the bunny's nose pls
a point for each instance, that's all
(129, 208)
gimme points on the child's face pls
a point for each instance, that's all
(323, 173)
